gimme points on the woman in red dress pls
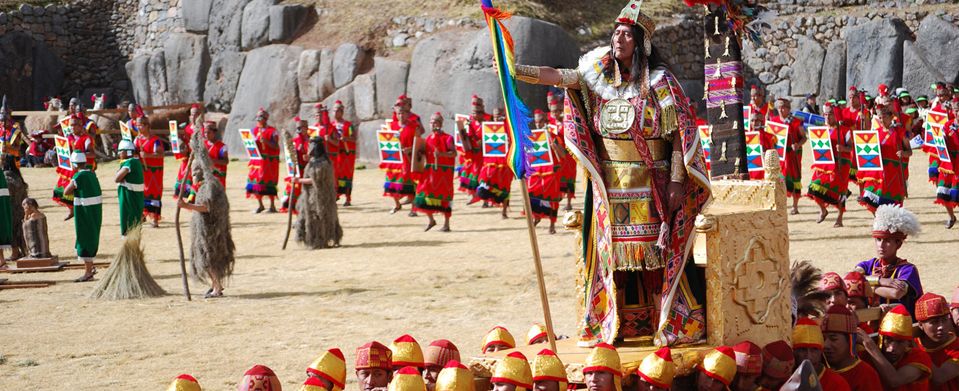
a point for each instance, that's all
(264, 172)
(544, 182)
(151, 154)
(495, 176)
(345, 163)
(434, 192)
(830, 184)
(399, 182)
(792, 164)
(889, 185)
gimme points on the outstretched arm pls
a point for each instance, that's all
(547, 76)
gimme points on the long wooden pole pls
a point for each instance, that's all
(176, 223)
(544, 299)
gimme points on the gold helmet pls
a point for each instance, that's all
(605, 358)
(546, 366)
(514, 369)
(658, 368)
(455, 377)
(407, 379)
(720, 364)
(406, 352)
(499, 335)
(330, 366)
(184, 383)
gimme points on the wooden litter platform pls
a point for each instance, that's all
(6, 284)
(62, 266)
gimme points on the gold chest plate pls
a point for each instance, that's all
(617, 116)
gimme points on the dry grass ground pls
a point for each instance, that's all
(283, 308)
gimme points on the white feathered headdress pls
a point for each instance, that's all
(894, 220)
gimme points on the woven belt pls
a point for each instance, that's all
(87, 201)
(4, 192)
(625, 150)
(138, 187)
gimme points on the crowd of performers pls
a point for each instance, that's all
(913, 346)
(487, 180)
(898, 118)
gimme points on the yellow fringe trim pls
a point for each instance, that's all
(637, 256)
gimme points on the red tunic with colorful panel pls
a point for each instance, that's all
(434, 192)
(64, 176)
(792, 165)
(399, 178)
(949, 351)
(495, 179)
(852, 119)
(218, 152)
(567, 165)
(830, 185)
(152, 174)
(889, 185)
(860, 376)
(345, 163)
(301, 146)
(184, 178)
(264, 172)
(473, 159)
(947, 186)
(544, 187)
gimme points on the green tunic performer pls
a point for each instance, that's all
(87, 212)
(130, 187)
(6, 221)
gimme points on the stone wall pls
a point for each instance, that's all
(69, 49)
(825, 54)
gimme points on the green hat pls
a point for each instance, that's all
(842, 102)
(868, 97)
(904, 94)
(911, 110)
(922, 98)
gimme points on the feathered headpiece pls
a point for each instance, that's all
(894, 221)
(807, 298)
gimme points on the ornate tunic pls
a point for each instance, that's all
(903, 271)
(624, 141)
(472, 160)
(889, 185)
(567, 165)
(183, 176)
(830, 185)
(301, 146)
(345, 162)
(152, 174)
(947, 186)
(544, 187)
(791, 166)
(434, 192)
(399, 178)
(265, 172)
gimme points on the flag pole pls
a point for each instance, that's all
(537, 261)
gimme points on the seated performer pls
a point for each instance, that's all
(211, 248)
(317, 222)
(544, 182)
(839, 334)
(151, 156)
(792, 164)
(330, 369)
(549, 373)
(901, 366)
(895, 280)
(938, 339)
(129, 180)
(830, 185)
(495, 176)
(778, 364)
(657, 371)
(512, 373)
(374, 366)
(35, 230)
(434, 192)
(647, 182)
(749, 366)
(807, 341)
(88, 212)
(264, 172)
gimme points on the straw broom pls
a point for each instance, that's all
(128, 277)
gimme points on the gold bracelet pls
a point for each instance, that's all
(568, 78)
(527, 73)
(677, 168)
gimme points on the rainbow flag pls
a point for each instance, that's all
(517, 114)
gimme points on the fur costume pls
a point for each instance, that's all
(212, 248)
(317, 223)
(18, 191)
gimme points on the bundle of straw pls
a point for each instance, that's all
(128, 277)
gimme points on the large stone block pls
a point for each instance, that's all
(156, 72)
(222, 79)
(187, 63)
(29, 70)
(447, 68)
(139, 79)
(390, 82)
(833, 80)
(226, 16)
(255, 30)
(196, 15)
(286, 20)
(364, 97)
(347, 62)
(269, 81)
(933, 36)
(804, 78)
(918, 71)
(874, 53)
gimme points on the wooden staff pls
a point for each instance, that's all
(290, 203)
(539, 267)
(176, 223)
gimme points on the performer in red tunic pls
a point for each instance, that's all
(839, 330)
(217, 150)
(544, 182)
(759, 112)
(792, 165)
(808, 342)
(888, 186)
(900, 364)
(567, 165)
(264, 172)
(495, 176)
(473, 158)
(434, 192)
(938, 339)
(183, 175)
(65, 175)
(326, 132)
(947, 189)
(301, 146)
(399, 177)
(151, 154)
(830, 184)
(855, 116)
(346, 161)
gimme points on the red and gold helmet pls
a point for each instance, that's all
(658, 368)
(931, 305)
(499, 335)
(455, 377)
(184, 382)
(536, 334)
(546, 366)
(407, 352)
(441, 352)
(605, 358)
(374, 355)
(514, 369)
(720, 364)
(897, 324)
(407, 379)
(807, 334)
(749, 358)
(313, 384)
(778, 360)
(332, 367)
(260, 378)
